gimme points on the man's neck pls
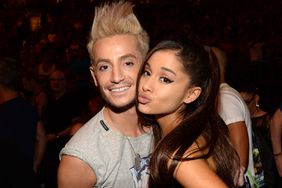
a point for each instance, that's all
(59, 94)
(125, 122)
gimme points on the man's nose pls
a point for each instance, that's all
(117, 75)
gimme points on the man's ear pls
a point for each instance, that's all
(92, 71)
(257, 98)
(192, 94)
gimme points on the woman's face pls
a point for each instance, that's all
(164, 85)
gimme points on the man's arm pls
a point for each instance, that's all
(275, 132)
(240, 141)
(40, 145)
(74, 173)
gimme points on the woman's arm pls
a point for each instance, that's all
(197, 174)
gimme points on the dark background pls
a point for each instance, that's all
(233, 25)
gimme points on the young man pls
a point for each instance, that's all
(111, 149)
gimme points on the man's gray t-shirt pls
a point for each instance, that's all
(110, 154)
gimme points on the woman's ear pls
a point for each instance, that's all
(92, 71)
(192, 94)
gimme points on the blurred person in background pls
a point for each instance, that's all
(235, 113)
(33, 90)
(261, 122)
(22, 135)
(62, 109)
(276, 138)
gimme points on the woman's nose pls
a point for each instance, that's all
(146, 84)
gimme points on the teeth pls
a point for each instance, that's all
(119, 89)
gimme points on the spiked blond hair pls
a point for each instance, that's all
(117, 18)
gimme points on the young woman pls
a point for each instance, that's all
(178, 91)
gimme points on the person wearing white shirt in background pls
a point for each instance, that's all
(235, 113)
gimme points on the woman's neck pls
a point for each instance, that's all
(167, 122)
(258, 113)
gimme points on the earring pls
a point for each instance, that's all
(257, 107)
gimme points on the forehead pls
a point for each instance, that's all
(167, 58)
(116, 46)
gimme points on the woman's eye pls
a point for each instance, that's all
(166, 80)
(146, 73)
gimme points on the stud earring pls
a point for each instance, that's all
(257, 107)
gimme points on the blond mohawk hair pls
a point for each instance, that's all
(117, 18)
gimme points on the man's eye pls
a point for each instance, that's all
(103, 67)
(166, 80)
(129, 63)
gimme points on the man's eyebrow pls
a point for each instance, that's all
(127, 56)
(121, 58)
(102, 60)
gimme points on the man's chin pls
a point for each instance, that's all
(122, 107)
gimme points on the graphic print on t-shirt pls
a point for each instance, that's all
(140, 173)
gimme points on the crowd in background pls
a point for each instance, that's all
(45, 37)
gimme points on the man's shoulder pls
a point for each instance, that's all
(86, 137)
(229, 95)
(18, 107)
(93, 125)
(227, 89)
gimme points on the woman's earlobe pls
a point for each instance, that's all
(192, 94)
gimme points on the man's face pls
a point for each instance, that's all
(58, 82)
(117, 61)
